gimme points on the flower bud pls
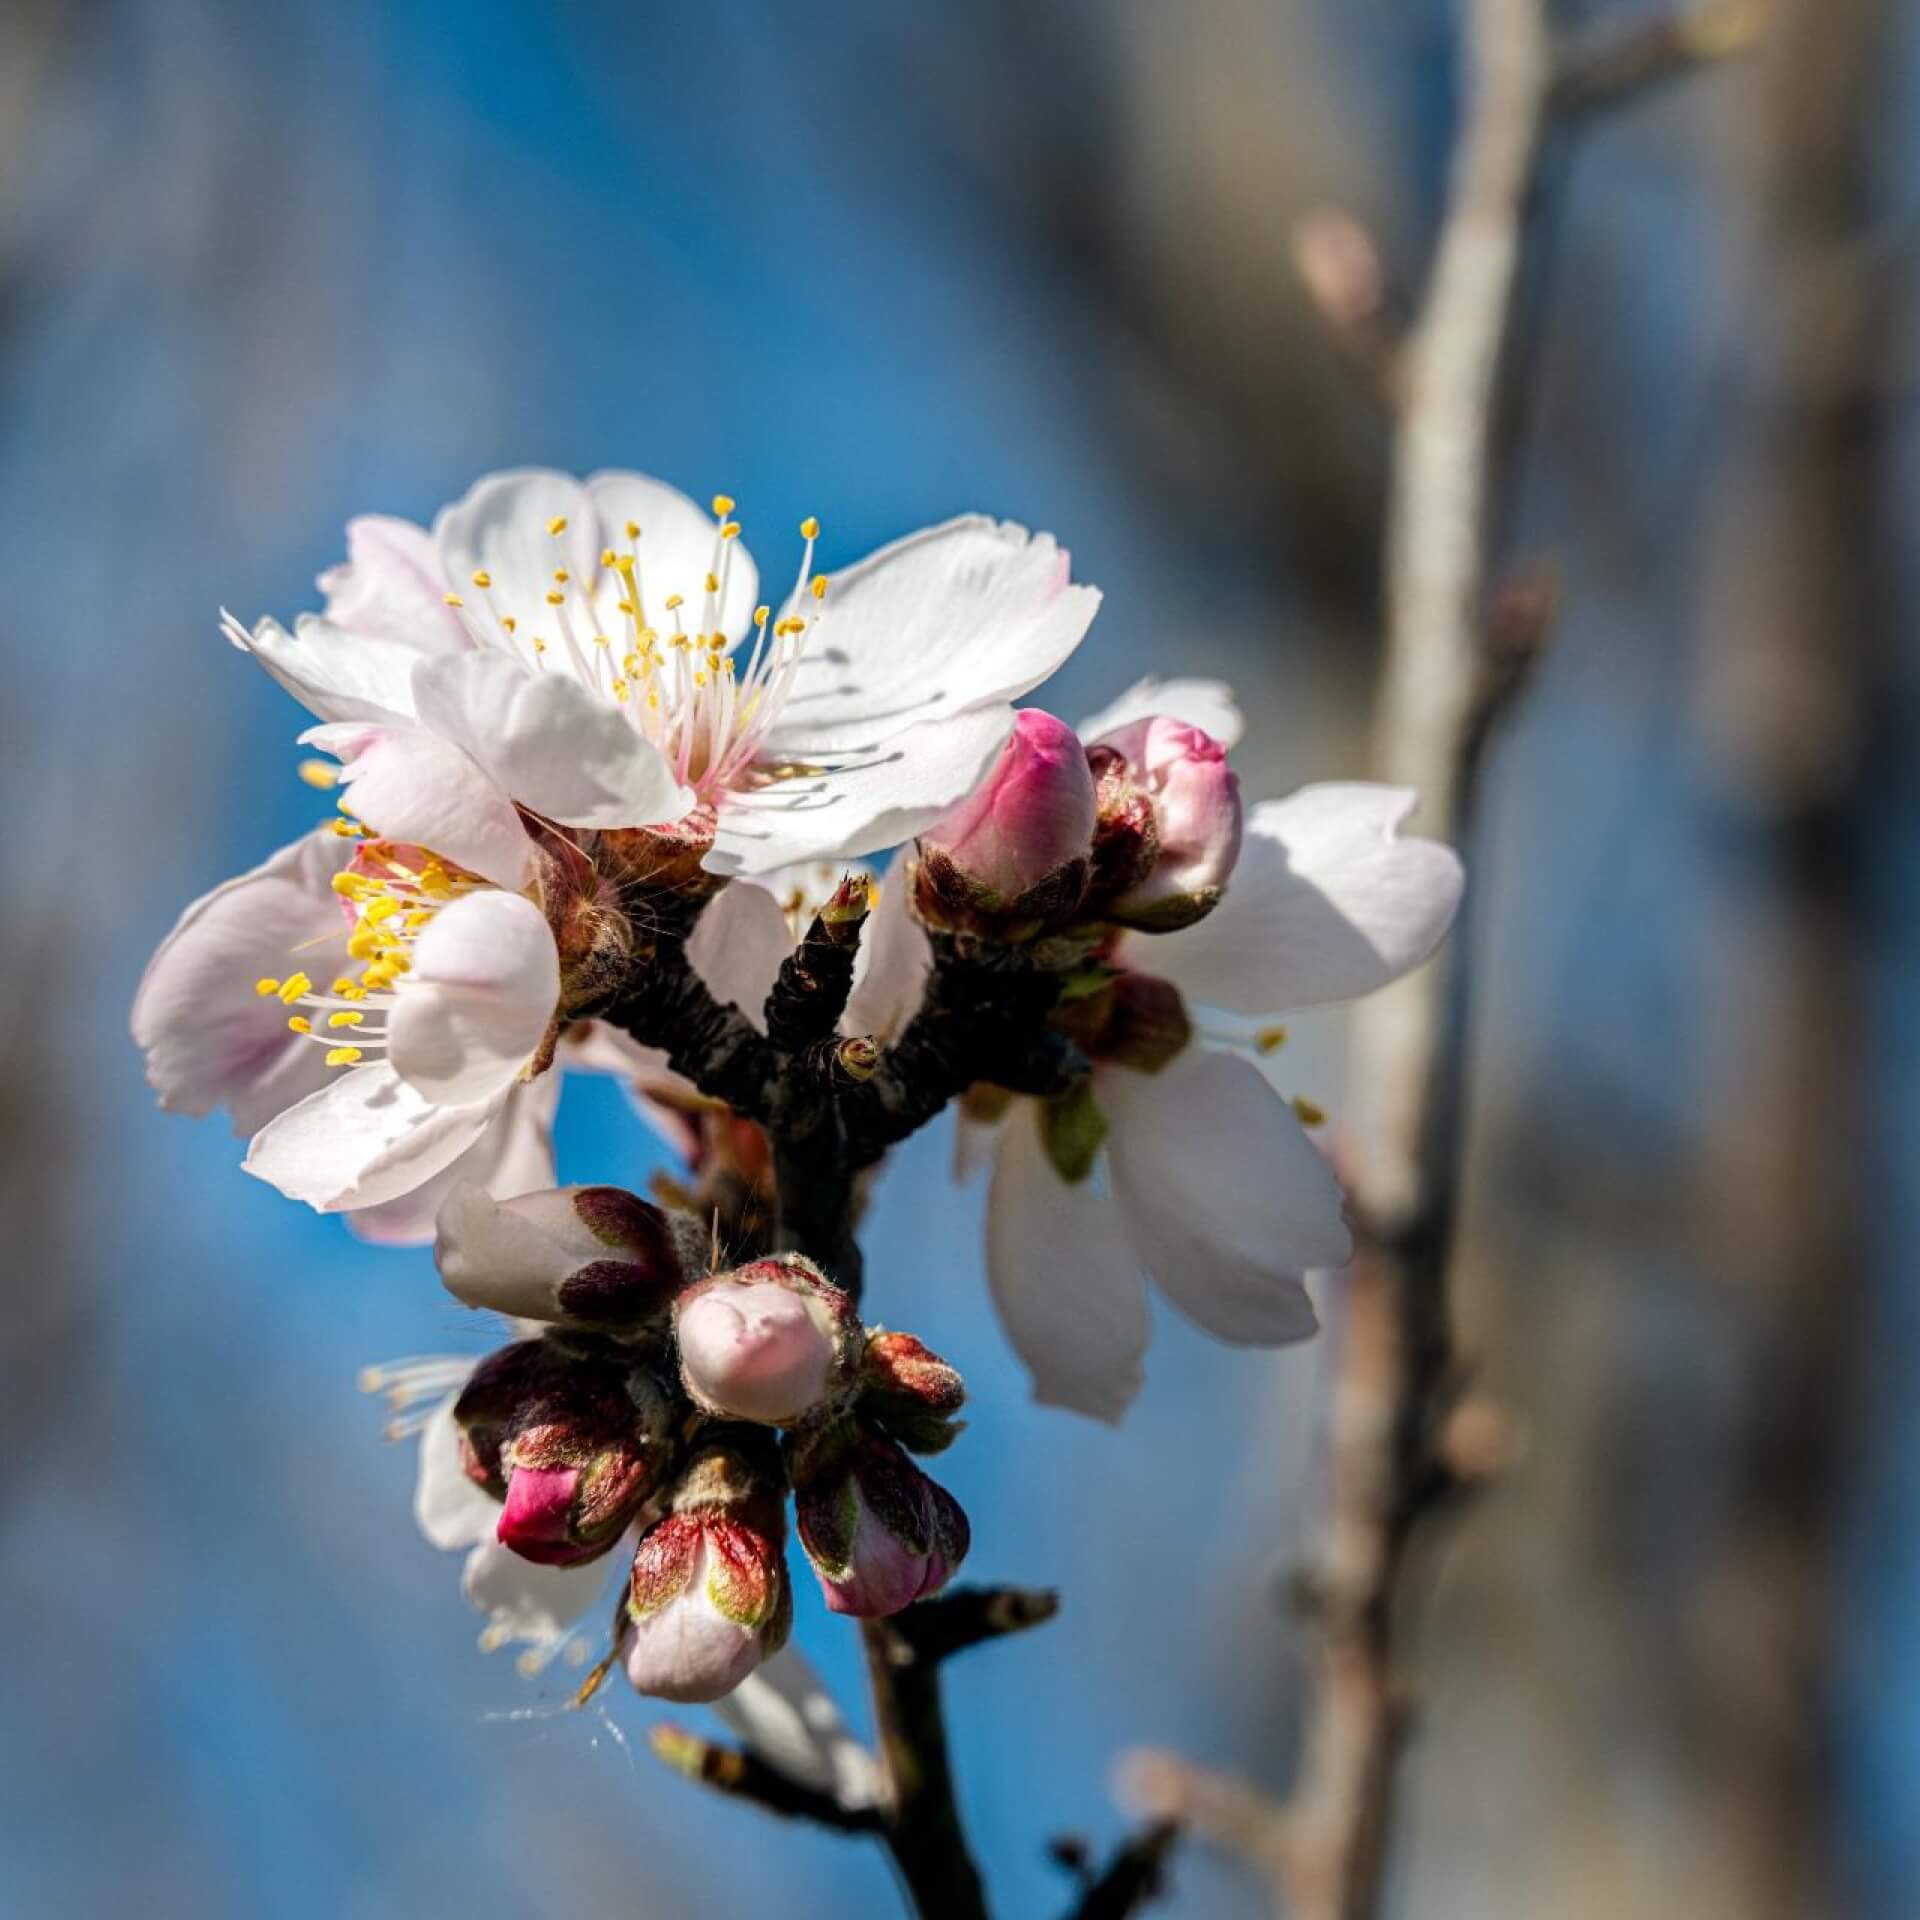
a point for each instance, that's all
(768, 1342)
(1018, 847)
(910, 1391)
(573, 1445)
(593, 1256)
(665, 859)
(709, 1598)
(879, 1533)
(1196, 823)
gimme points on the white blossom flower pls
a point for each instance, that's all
(401, 1075)
(581, 649)
(1197, 1172)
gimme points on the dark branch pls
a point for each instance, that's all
(1612, 64)
(745, 1776)
(936, 1630)
(1134, 1876)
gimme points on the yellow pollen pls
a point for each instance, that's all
(675, 600)
(382, 909)
(508, 621)
(345, 1018)
(761, 615)
(819, 587)
(345, 829)
(713, 585)
(1310, 1115)
(319, 773)
(626, 606)
(453, 600)
(483, 578)
(300, 1024)
(607, 557)
(342, 1056)
(633, 529)
(558, 524)
(601, 640)
(623, 562)
(265, 987)
(347, 883)
(562, 575)
(539, 645)
(293, 986)
(731, 531)
(341, 984)
(556, 599)
(1270, 1039)
(722, 505)
(809, 528)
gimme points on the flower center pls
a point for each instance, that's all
(626, 635)
(390, 893)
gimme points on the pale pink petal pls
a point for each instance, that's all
(1326, 902)
(411, 785)
(210, 1039)
(866, 804)
(558, 748)
(501, 528)
(783, 1711)
(477, 1000)
(738, 945)
(391, 587)
(972, 613)
(1064, 1279)
(527, 1601)
(1222, 1194)
(335, 675)
(890, 976)
(1206, 704)
(364, 1138)
(677, 547)
(449, 1509)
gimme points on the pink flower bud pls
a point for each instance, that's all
(573, 1445)
(1196, 819)
(709, 1598)
(768, 1342)
(592, 1256)
(1019, 844)
(879, 1533)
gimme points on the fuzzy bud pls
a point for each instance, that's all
(664, 859)
(768, 1342)
(911, 1391)
(1195, 840)
(1016, 850)
(879, 1533)
(572, 1445)
(595, 1257)
(709, 1598)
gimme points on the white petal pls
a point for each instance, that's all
(890, 978)
(513, 1156)
(210, 1039)
(477, 1000)
(335, 675)
(875, 802)
(556, 747)
(409, 784)
(738, 944)
(1206, 704)
(1222, 1193)
(783, 1711)
(523, 1601)
(1065, 1281)
(392, 587)
(677, 545)
(958, 616)
(501, 528)
(1327, 903)
(364, 1138)
(450, 1509)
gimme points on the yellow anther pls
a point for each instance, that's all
(699, 679)
(483, 578)
(674, 601)
(342, 1056)
(382, 909)
(620, 691)
(347, 883)
(623, 563)
(558, 524)
(346, 1017)
(345, 829)
(633, 529)
(319, 773)
(562, 575)
(293, 986)
(1270, 1039)
(713, 583)
(343, 983)
(722, 505)
(300, 1024)
(265, 987)
(653, 700)
(761, 615)
(726, 666)
(809, 528)
(453, 600)
(556, 599)
(626, 606)
(819, 586)
(731, 531)
(363, 943)
(508, 621)
(539, 645)
(607, 557)
(601, 640)
(1310, 1115)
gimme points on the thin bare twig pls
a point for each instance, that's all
(1134, 1876)
(1612, 64)
(741, 1775)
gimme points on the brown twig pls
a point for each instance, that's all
(1614, 63)
(741, 1775)
(1134, 1876)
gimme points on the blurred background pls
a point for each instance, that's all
(264, 266)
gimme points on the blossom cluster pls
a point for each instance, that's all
(602, 808)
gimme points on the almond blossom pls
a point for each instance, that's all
(1178, 1159)
(596, 653)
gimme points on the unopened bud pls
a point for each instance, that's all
(1017, 850)
(879, 1533)
(709, 1598)
(572, 1445)
(908, 1389)
(592, 1256)
(1195, 798)
(665, 858)
(769, 1342)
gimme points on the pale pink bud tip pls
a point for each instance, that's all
(756, 1352)
(1197, 819)
(538, 1517)
(1032, 816)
